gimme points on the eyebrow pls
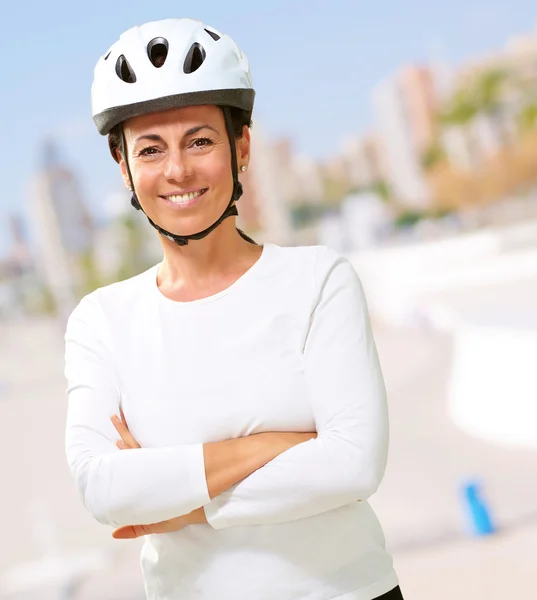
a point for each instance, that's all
(154, 137)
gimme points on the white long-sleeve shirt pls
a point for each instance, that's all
(287, 347)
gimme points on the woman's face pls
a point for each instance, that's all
(180, 161)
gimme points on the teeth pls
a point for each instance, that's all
(184, 197)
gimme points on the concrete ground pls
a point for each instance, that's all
(495, 568)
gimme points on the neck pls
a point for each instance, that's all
(203, 261)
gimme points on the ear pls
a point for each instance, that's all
(243, 147)
(123, 169)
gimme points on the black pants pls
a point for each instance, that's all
(395, 594)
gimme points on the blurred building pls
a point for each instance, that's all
(125, 244)
(404, 106)
(110, 235)
(331, 231)
(367, 220)
(362, 221)
(18, 281)
(272, 184)
(518, 56)
(499, 105)
(308, 176)
(278, 182)
(336, 178)
(20, 256)
(62, 228)
(249, 219)
(363, 159)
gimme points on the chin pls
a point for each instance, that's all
(186, 225)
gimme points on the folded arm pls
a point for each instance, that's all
(346, 389)
(144, 485)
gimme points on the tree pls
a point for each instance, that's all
(461, 112)
(90, 277)
(133, 255)
(408, 219)
(433, 155)
(489, 91)
(527, 117)
(380, 187)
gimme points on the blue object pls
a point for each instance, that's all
(477, 510)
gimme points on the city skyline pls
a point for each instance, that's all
(65, 100)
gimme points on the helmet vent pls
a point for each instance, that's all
(124, 70)
(194, 59)
(108, 54)
(214, 35)
(157, 50)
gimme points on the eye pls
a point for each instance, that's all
(149, 151)
(201, 142)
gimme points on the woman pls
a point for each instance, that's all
(247, 374)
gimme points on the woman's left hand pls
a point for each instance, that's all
(196, 517)
(133, 531)
(127, 442)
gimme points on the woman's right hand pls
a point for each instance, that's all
(230, 461)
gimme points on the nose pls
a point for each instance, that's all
(176, 167)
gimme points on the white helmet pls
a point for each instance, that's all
(167, 64)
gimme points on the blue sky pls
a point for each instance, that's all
(313, 63)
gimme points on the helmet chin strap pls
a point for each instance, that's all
(231, 209)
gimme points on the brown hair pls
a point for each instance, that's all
(239, 118)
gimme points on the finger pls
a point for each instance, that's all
(122, 444)
(129, 532)
(132, 441)
(120, 426)
(125, 533)
(123, 431)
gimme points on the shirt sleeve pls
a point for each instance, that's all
(346, 389)
(118, 487)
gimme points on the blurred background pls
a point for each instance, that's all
(403, 137)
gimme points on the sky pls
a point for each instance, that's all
(314, 64)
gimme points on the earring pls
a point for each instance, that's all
(244, 168)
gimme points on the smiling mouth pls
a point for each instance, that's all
(184, 198)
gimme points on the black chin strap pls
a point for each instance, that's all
(231, 209)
